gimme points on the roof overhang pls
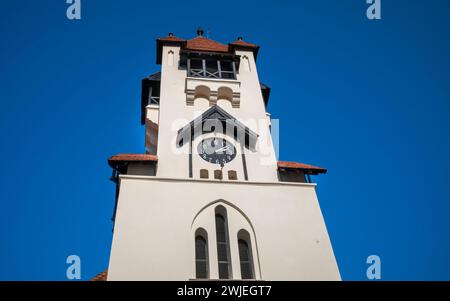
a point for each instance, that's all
(250, 47)
(169, 42)
(306, 168)
(120, 161)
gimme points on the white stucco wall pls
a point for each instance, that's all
(159, 209)
(174, 113)
(156, 219)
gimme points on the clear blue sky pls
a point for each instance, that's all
(369, 100)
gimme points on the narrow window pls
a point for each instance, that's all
(227, 70)
(222, 245)
(245, 255)
(201, 255)
(204, 174)
(232, 175)
(246, 63)
(211, 69)
(218, 174)
(170, 58)
(195, 67)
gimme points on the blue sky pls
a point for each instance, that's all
(369, 100)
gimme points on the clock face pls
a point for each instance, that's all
(216, 150)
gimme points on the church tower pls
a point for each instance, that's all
(208, 198)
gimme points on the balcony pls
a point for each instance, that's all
(153, 100)
(211, 68)
(211, 74)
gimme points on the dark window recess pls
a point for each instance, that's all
(232, 175)
(227, 69)
(211, 68)
(222, 247)
(201, 257)
(218, 174)
(204, 174)
(286, 175)
(197, 64)
(244, 257)
(153, 95)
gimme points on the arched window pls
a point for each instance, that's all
(223, 249)
(201, 255)
(246, 63)
(245, 255)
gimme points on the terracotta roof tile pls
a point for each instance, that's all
(243, 44)
(301, 166)
(201, 43)
(133, 157)
(101, 277)
(171, 39)
(240, 43)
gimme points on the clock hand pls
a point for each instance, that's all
(222, 149)
(218, 150)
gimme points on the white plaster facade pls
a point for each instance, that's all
(160, 209)
(174, 113)
(157, 218)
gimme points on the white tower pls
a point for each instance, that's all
(208, 199)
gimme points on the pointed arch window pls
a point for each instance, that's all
(245, 255)
(223, 245)
(170, 57)
(201, 255)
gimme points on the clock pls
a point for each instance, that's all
(216, 150)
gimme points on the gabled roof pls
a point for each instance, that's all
(218, 114)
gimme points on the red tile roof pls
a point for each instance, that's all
(301, 166)
(242, 43)
(201, 43)
(171, 39)
(133, 157)
(101, 277)
(120, 161)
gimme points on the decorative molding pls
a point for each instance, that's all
(214, 85)
(225, 182)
